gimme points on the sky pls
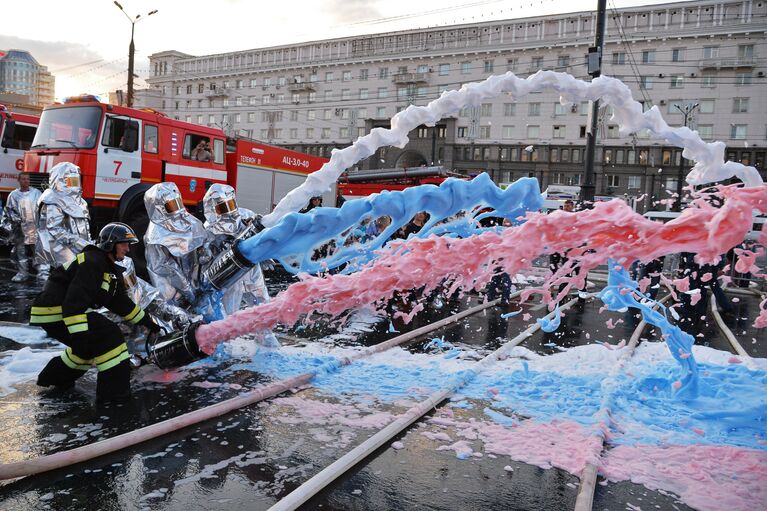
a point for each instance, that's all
(84, 43)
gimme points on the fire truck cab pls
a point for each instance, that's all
(122, 152)
(16, 134)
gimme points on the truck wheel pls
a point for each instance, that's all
(139, 220)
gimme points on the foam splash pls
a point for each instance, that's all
(627, 113)
(294, 239)
(609, 230)
(619, 294)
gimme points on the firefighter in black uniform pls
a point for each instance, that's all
(66, 310)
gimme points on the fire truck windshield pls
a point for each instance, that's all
(74, 127)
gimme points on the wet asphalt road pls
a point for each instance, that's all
(250, 458)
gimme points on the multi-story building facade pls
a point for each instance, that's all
(314, 96)
(20, 73)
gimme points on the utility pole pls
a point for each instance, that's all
(132, 48)
(687, 111)
(595, 70)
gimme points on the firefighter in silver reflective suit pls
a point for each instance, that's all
(224, 222)
(63, 228)
(176, 245)
(19, 224)
(149, 298)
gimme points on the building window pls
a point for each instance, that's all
(739, 105)
(706, 131)
(612, 131)
(237, 118)
(486, 110)
(581, 131)
(648, 57)
(268, 81)
(328, 95)
(507, 132)
(363, 75)
(677, 55)
(634, 182)
(488, 66)
(326, 114)
(533, 109)
(558, 178)
(309, 133)
(280, 98)
(311, 115)
(646, 82)
(643, 156)
(745, 51)
(533, 131)
(329, 77)
(563, 60)
(266, 99)
(677, 81)
(559, 131)
(619, 58)
(253, 83)
(708, 80)
(343, 132)
(738, 131)
(381, 112)
(325, 133)
(422, 133)
(743, 79)
(363, 94)
(444, 69)
(294, 115)
(383, 72)
(509, 109)
(463, 131)
(710, 52)
(312, 97)
(613, 180)
(608, 156)
(511, 64)
(484, 132)
(465, 68)
(536, 63)
(706, 106)
(383, 92)
(346, 76)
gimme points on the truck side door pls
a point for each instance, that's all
(119, 157)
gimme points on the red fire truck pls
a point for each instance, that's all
(16, 134)
(124, 151)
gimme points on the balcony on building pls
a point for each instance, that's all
(727, 63)
(410, 78)
(217, 93)
(301, 86)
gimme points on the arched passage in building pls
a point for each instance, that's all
(410, 159)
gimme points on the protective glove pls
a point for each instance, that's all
(149, 324)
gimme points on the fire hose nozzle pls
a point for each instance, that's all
(175, 349)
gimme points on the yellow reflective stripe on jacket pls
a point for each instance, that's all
(74, 362)
(80, 260)
(107, 280)
(41, 315)
(111, 358)
(76, 323)
(136, 315)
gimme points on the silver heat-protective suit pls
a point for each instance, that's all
(176, 245)
(149, 298)
(224, 221)
(20, 224)
(63, 228)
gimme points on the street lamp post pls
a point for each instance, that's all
(687, 110)
(131, 48)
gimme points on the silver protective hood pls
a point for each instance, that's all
(63, 192)
(175, 229)
(20, 215)
(221, 213)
